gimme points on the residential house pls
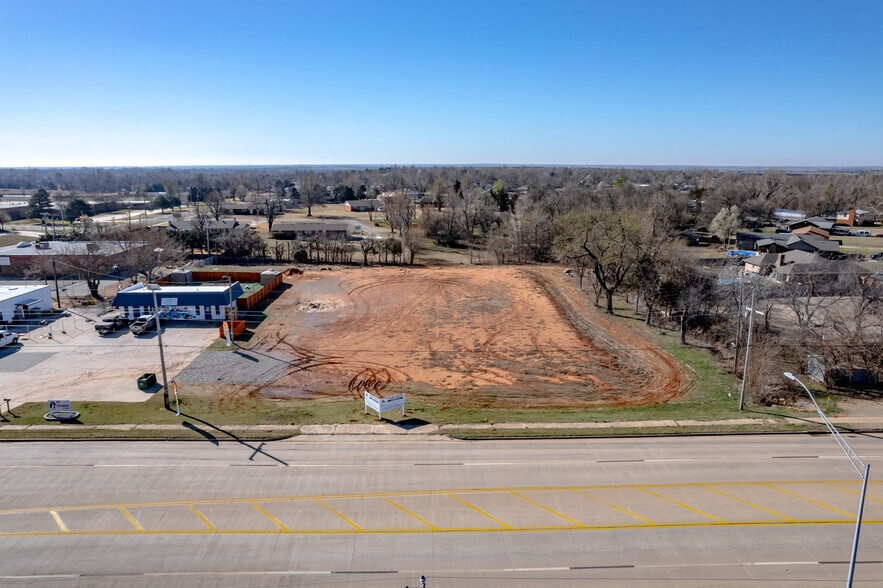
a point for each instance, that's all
(696, 238)
(362, 205)
(854, 217)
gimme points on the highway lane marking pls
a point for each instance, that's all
(478, 510)
(132, 520)
(403, 509)
(202, 517)
(58, 520)
(269, 516)
(813, 501)
(577, 523)
(339, 514)
(749, 503)
(616, 507)
(682, 505)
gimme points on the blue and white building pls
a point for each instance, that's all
(180, 301)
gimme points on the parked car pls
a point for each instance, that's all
(8, 338)
(109, 325)
(143, 324)
(839, 230)
(861, 233)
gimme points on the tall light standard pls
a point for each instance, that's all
(855, 460)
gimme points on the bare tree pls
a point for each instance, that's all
(413, 241)
(214, 201)
(610, 243)
(399, 211)
(272, 211)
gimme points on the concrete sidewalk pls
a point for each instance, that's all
(386, 428)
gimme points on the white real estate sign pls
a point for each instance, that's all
(59, 407)
(382, 405)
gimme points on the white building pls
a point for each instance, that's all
(21, 302)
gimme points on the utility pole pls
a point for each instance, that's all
(162, 359)
(738, 327)
(748, 346)
(55, 274)
(208, 246)
(230, 284)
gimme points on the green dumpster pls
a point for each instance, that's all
(146, 381)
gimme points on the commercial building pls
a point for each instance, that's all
(15, 260)
(180, 301)
(304, 230)
(22, 302)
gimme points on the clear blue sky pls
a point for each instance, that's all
(125, 82)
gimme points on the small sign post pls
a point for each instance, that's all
(382, 405)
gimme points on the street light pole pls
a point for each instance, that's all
(855, 460)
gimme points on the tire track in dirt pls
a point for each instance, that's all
(667, 378)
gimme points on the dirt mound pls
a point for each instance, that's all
(485, 336)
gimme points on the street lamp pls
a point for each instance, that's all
(855, 460)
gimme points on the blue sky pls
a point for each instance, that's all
(615, 83)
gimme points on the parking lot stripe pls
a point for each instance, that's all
(269, 516)
(478, 510)
(202, 517)
(812, 501)
(682, 505)
(339, 514)
(577, 523)
(854, 492)
(58, 520)
(749, 503)
(614, 506)
(132, 520)
(403, 509)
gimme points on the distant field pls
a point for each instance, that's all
(12, 239)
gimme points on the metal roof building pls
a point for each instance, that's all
(21, 301)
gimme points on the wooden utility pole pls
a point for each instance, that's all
(748, 346)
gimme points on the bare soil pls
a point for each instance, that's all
(460, 336)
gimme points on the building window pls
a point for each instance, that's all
(217, 310)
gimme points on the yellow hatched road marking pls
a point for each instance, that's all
(577, 523)
(403, 509)
(616, 507)
(419, 493)
(496, 520)
(269, 516)
(339, 514)
(58, 520)
(812, 501)
(682, 505)
(132, 520)
(202, 517)
(706, 525)
(854, 492)
(772, 512)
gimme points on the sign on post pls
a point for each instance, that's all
(60, 408)
(382, 405)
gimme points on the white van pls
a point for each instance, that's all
(861, 233)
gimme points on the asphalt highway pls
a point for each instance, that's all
(315, 511)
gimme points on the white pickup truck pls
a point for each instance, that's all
(8, 338)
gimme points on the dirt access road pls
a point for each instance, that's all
(476, 336)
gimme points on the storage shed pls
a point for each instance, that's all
(21, 302)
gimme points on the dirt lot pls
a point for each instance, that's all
(472, 336)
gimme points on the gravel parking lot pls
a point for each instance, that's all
(77, 364)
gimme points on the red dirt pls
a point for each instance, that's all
(476, 336)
